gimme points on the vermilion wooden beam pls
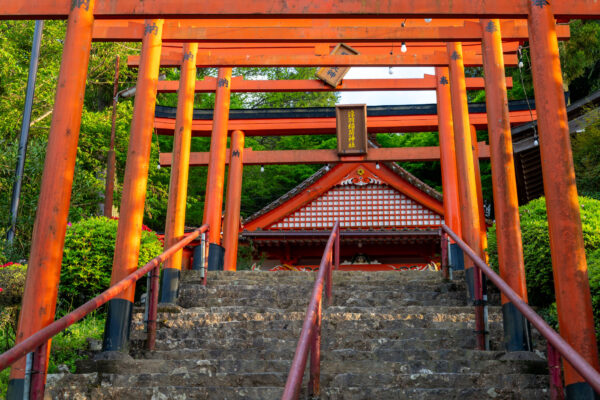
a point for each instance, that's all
(241, 85)
(314, 31)
(210, 60)
(399, 154)
(305, 55)
(170, 9)
(320, 126)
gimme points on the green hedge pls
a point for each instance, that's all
(536, 248)
(88, 258)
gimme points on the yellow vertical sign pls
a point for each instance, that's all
(351, 130)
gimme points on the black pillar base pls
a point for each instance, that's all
(456, 257)
(517, 330)
(16, 389)
(216, 257)
(169, 289)
(581, 391)
(118, 324)
(197, 258)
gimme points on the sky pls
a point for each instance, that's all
(388, 98)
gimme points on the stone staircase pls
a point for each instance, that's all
(388, 335)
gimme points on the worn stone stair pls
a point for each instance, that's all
(388, 335)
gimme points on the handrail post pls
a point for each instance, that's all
(479, 308)
(204, 260)
(314, 384)
(444, 255)
(337, 249)
(152, 307)
(38, 379)
(556, 385)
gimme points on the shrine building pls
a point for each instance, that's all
(389, 219)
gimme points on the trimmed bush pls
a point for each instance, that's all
(12, 284)
(88, 258)
(536, 249)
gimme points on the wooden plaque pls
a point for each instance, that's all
(334, 75)
(351, 127)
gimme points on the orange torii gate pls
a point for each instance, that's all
(572, 290)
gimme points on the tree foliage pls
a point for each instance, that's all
(536, 246)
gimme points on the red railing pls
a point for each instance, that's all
(39, 340)
(557, 346)
(310, 337)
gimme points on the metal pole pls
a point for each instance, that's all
(43, 274)
(24, 138)
(111, 159)
(556, 383)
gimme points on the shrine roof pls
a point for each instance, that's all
(329, 112)
(414, 183)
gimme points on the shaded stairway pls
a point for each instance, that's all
(389, 335)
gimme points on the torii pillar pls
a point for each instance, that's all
(213, 204)
(129, 232)
(469, 207)
(569, 266)
(448, 163)
(43, 274)
(231, 226)
(179, 172)
(517, 335)
(477, 169)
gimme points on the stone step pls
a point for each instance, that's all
(411, 338)
(425, 379)
(211, 315)
(245, 366)
(338, 276)
(348, 354)
(182, 329)
(261, 393)
(396, 290)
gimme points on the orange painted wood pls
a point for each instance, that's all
(170, 9)
(319, 126)
(129, 231)
(215, 181)
(314, 31)
(447, 150)
(504, 185)
(255, 55)
(43, 272)
(231, 223)
(251, 157)
(569, 265)
(241, 85)
(178, 183)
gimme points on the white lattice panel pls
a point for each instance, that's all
(361, 207)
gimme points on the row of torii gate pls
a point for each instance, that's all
(259, 28)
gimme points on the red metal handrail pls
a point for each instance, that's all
(38, 340)
(310, 337)
(554, 339)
